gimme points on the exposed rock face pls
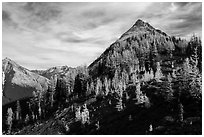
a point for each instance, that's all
(19, 82)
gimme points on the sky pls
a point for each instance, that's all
(44, 35)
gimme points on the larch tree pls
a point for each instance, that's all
(3, 80)
(120, 88)
(78, 114)
(125, 77)
(195, 76)
(98, 87)
(106, 86)
(70, 83)
(85, 114)
(138, 91)
(182, 87)
(88, 89)
(195, 47)
(9, 119)
(169, 87)
(158, 73)
(180, 113)
(115, 80)
(27, 119)
(39, 103)
(153, 56)
(119, 104)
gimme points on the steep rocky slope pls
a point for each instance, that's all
(19, 82)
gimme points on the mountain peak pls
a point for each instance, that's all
(9, 61)
(141, 23)
(8, 65)
(141, 26)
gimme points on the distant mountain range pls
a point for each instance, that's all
(132, 49)
(56, 71)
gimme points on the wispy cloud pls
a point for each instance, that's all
(42, 35)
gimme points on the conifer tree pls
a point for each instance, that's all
(169, 90)
(80, 84)
(27, 119)
(92, 87)
(78, 114)
(115, 80)
(182, 86)
(53, 82)
(61, 92)
(9, 119)
(195, 49)
(134, 78)
(120, 88)
(138, 91)
(99, 87)
(3, 80)
(125, 77)
(39, 103)
(88, 89)
(119, 104)
(70, 82)
(106, 86)
(194, 58)
(180, 112)
(158, 73)
(189, 80)
(18, 110)
(34, 103)
(195, 76)
(85, 114)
